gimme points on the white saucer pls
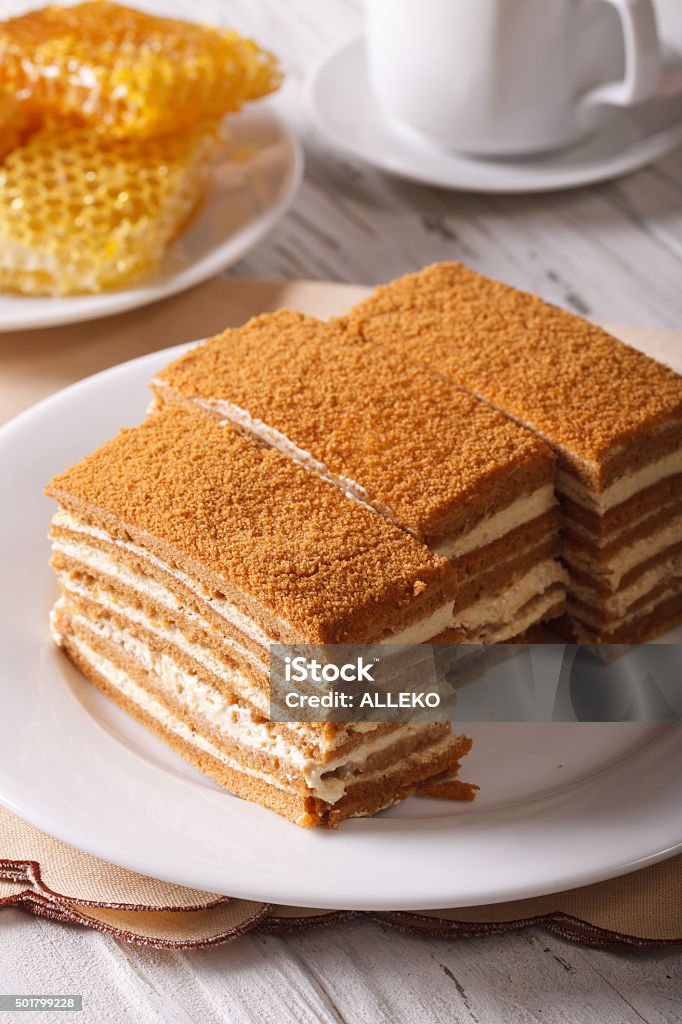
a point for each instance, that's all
(342, 107)
(246, 198)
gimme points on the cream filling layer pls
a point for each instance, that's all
(106, 567)
(580, 612)
(520, 511)
(618, 604)
(673, 509)
(505, 605)
(622, 488)
(237, 723)
(122, 682)
(613, 570)
(204, 657)
(477, 617)
(534, 613)
(223, 607)
(171, 635)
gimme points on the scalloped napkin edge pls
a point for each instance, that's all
(52, 879)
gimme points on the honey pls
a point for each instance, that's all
(80, 212)
(129, 74)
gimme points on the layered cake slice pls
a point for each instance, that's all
(612, 415)
(184, 550)
(438, 463)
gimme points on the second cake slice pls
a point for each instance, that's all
(612, 415)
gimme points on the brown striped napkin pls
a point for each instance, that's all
(50, 878)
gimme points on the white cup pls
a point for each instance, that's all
(501, 77)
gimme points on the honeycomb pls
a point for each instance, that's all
(80, 212)
(127, 73)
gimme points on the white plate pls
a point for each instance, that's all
(341, 105)
(560, 805)
(245, 200)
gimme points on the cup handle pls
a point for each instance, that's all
(642, 56)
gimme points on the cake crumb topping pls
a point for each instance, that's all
(326, 565)
(546, 367)
(425, 453)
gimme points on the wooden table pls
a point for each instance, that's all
(612, 252)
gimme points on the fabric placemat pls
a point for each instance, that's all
(52, 879)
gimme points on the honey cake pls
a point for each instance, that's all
(612, 415)
(183, 550)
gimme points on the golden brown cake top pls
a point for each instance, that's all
(329, 567)
(421, 451)
(581, 388)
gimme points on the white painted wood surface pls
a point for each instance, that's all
(613, 252)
